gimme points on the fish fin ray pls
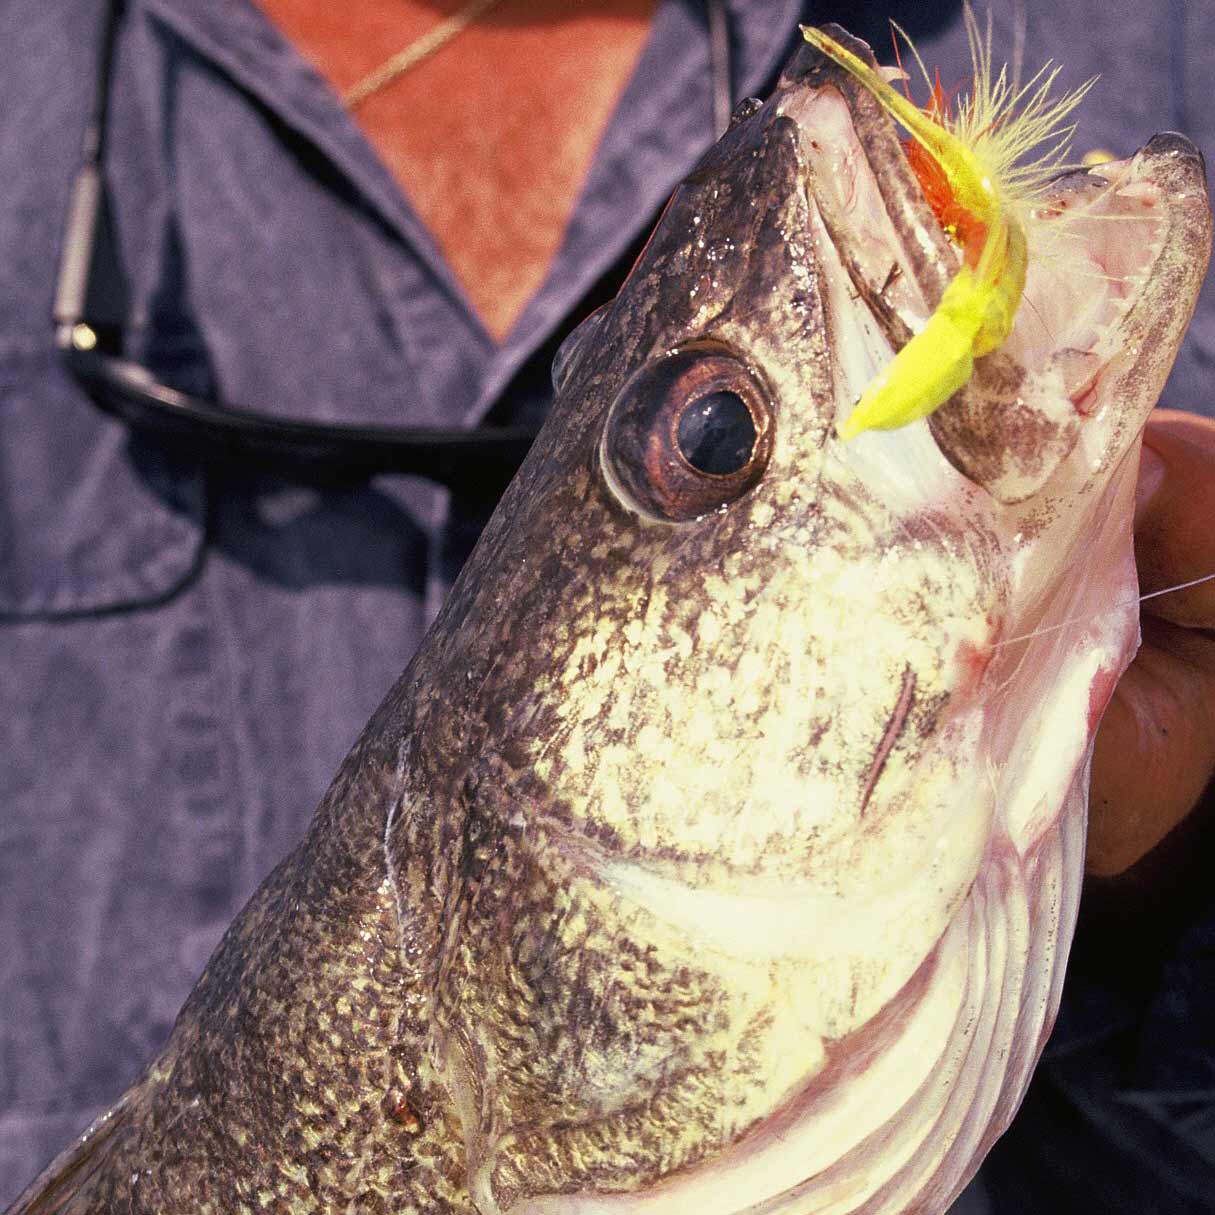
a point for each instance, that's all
(67, 1185)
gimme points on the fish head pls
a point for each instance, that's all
(763, 755)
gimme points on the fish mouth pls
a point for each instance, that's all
(1108, 245)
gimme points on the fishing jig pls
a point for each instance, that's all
(968, 161)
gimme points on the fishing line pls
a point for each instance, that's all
(1020, 26)
(1054, 628)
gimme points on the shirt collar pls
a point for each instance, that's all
(661, 126)
(236, 37)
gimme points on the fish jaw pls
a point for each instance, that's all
(1050, 427)
(762, 858)
(1117, 253)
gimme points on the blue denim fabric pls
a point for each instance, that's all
(185, 659)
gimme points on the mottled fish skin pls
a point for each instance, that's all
(725, 864)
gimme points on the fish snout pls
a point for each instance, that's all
(1175, 146)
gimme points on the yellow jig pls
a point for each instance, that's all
(968, 166)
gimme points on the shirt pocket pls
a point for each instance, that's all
(93, 517)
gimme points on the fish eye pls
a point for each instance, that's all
(716, 434)
(690, 432)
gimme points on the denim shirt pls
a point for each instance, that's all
(185, 657)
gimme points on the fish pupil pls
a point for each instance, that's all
(716, 434)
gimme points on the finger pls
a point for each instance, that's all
(1155, 750)
(1174, 535)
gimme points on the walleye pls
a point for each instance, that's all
(719, 850)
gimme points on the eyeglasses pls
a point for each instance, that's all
(90, 311)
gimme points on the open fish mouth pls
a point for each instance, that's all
(1099, 239)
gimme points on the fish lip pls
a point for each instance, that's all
(1173, 171)
(1115, 251)
(897, 260)
(927, 252)
(1173, 145)
(1169, 160)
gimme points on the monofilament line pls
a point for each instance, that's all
(1054, 628)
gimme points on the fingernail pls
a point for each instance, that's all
(1151, 477)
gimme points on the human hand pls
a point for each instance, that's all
(1155, 750)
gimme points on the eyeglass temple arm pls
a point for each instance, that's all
(90, 311)
(92, 288)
